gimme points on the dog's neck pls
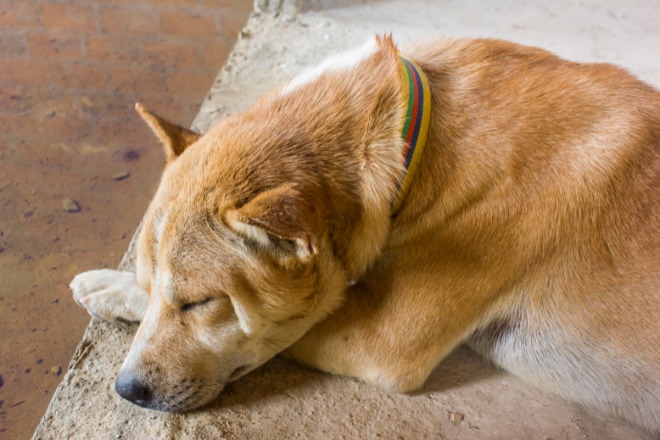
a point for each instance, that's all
(356, 142)
(417, 98)
(389, 163)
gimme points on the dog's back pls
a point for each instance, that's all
(542, 176)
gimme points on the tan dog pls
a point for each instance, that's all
(530, 231)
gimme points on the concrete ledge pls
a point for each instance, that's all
(463, 399)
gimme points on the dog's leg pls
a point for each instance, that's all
(561, 351)
(392, 330)
(110, 295)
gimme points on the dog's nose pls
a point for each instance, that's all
(131, 388)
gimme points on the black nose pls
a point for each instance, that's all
(131, 388)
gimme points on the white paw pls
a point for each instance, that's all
(110, 295)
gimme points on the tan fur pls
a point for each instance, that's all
(530, 232)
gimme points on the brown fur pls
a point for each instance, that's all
(530, 231)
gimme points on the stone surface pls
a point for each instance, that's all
(70, 205)
(284, 400)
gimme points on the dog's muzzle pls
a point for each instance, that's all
(132, 389)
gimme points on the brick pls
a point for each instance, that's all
(214, 54)
(100, 104)
(232, 22)
(114, 49)
(243, 5)
(28, 72)
(172, 108)
(172, 53)
(187, 23)
(17, 126)
(64, 128)
(27, 150)
(71, 17)
(130, 20)
(13, 44)
(121, 103)
(50, 104)
(112, 2)
(122, 106)
(189, 83)
(62, 46)
(189, 3)
(15, 99)
(122, 131)
(54, 129)
(76, 76)
(19, 13)
(136, 80)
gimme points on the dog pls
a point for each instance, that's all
(520, 217)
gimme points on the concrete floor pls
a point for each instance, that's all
(70, 73)
(613, 31)
(282, 400)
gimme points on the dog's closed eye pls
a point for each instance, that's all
(189, 306)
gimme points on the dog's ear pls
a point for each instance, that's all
(282, 213)
(174, 138)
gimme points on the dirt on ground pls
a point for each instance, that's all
(58, 218)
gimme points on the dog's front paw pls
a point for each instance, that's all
(110, 295)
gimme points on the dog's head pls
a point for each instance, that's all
(232, 271)
(244, 246)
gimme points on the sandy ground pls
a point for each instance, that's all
(464, 398)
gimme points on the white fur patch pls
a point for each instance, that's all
(243, 317)
(306, 248)
(163, 284)
(252, 232)
(145, 332)
(337, 63)
(110, 295)
(159, 228)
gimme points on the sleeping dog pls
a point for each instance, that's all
(387, 205)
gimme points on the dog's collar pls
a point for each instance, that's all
(415, 124)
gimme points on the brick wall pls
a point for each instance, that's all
(165, 50)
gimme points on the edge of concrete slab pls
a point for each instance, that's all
(285, 400)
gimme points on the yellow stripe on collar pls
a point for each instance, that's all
(416, 121)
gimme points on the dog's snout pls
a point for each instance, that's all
(131, 388)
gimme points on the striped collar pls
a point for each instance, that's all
(415, 124)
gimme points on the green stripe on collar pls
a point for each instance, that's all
(416, 120)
